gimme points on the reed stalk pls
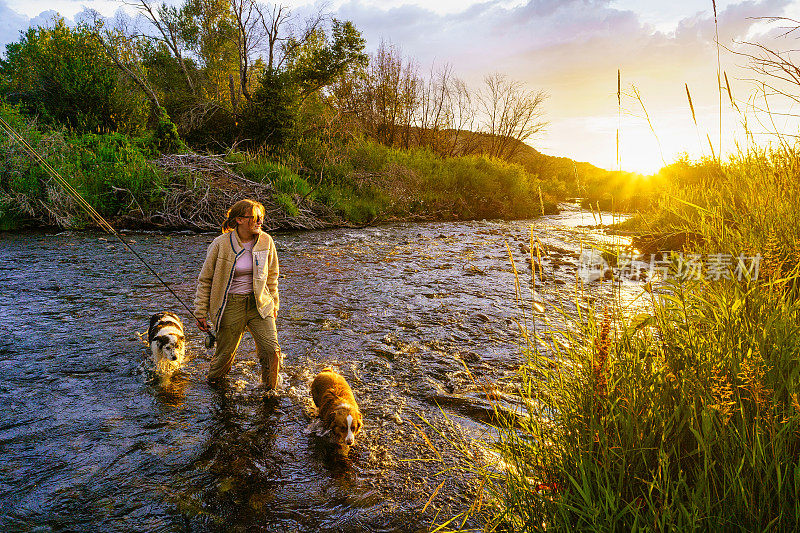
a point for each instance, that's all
(619, 111)
(719, 70)
(638, 97)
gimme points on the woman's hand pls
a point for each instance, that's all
(202, 324)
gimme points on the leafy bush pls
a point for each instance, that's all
(165, 135)
(109, 170)
(63, 76)
(269, 120)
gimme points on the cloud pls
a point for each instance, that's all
(568, 48)
(11, 23)
(548, 38)
(572, 50)
(46, 19)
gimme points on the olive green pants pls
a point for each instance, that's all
(240, 314)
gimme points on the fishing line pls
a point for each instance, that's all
(93, 214)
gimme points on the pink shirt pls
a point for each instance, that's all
(243, 275)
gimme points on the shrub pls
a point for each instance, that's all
(269, 120)
(165, 135)
(109, 170)
(63, 76)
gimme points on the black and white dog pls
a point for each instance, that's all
(165, 338)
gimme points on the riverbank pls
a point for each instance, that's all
(358, 183)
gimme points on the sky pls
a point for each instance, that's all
(572, 50)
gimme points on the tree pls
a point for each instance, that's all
(210, 29)
(382, 96)
(510, 112)
(435, 113)
(64, 76)
(123, 49)
(319, 61)
(463, 113)
(283, 39)
(249, 37)
(171, 25)
(270, 117)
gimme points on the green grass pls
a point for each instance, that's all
(685, 417)
(366, 182)
(290, 188)
(110, 171)
(416, 182)
(360, 181)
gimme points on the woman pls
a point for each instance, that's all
(238, 288)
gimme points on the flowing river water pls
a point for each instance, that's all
(420, 318)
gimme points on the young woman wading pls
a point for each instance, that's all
(238, 289)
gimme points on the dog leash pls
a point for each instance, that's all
(97, 217)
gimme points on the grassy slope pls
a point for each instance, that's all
(109, 170)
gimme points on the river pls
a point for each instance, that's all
(420, 318)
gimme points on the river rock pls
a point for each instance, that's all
(470, 357)
(386, 354)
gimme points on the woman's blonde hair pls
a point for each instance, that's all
(242, 208)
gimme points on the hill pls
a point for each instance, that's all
(562, 177)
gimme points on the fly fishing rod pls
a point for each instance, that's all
(93, 214)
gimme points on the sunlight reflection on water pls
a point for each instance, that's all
(92, 439)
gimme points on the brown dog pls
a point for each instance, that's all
(337, 407)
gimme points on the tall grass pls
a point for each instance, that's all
(417, 183)
(110, 171)
(685, 417)
(364, 182)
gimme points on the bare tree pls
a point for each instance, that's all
(433, 112)
(410, 84)
(396, 106)
(166, 19)
(273, 19)
(387, 73)
(462, 117)
(511, 114)
(121, 46)
(282, 34)
(250, 34)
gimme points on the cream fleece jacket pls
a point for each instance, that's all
(217, 273)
